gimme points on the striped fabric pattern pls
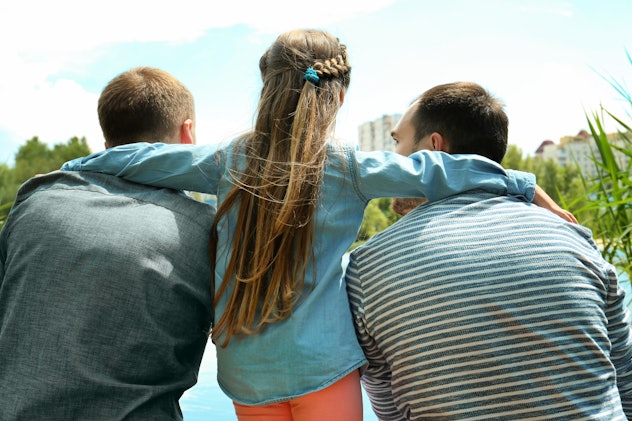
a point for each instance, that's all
(480, 307)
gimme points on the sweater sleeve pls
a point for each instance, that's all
(377, 376)
(434, 175)
(620, 338)
(180, 167)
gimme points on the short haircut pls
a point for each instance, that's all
(470, 119)
(143, 104)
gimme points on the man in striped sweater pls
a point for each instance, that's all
(483, 307)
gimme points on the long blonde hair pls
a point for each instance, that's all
(277, 188)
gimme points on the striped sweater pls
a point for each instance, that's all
(481, 307)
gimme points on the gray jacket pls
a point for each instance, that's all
(104, 299)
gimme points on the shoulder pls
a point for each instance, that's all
(59, 181)
(77, 186)
(340, 152)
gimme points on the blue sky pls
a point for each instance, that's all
(543, 58)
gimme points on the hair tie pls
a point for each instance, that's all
(311, 76)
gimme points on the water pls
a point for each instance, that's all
(205, 401)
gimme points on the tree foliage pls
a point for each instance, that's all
(560, 182)
(378, 215)
(32, 158)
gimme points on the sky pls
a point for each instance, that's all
(549, 61)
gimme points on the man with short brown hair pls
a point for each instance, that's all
(105, 303)
(485, 307)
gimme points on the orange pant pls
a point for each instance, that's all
(342, 401)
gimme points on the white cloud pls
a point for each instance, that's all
(53, 111)
(39, 38)
(551, 8)
(552, 101)
(77, 25)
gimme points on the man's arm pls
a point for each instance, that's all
(377, 377)
(4, 232)
(3, 256)
(621, 339)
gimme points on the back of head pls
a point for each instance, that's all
(305, 74)
(144, 104)
(285, 97)
(467, 116)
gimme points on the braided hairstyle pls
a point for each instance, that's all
(277, 177)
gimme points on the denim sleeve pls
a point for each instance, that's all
(435, 175)
(180, 167)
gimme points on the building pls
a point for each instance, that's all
(581, 150)
(543, 146)
(376, 135)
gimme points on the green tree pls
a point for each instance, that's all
(560, 182)
(74, 148)
(35, 157)
(32, 158)
(513, 158)
(374, 221)
(378, 215)
(7, 184)
(384, 205)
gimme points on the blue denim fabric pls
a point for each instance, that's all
(317, 345)
(104, 299)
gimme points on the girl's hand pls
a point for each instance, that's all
(544, 200)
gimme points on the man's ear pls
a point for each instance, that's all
(439, 143)
(187, 137)
(342, 96)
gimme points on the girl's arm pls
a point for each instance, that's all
(180, 167)
(435, 175)
(544, 201)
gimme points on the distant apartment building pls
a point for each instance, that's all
(580, 150)
(376, 135)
